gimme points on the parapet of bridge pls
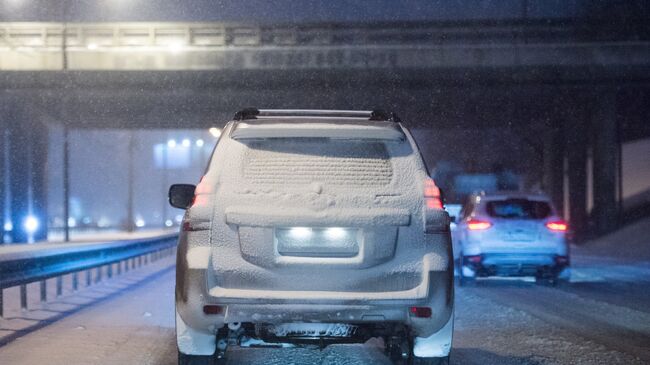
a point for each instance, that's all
(219, 46)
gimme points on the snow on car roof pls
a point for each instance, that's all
(317, 127)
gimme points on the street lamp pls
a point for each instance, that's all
(31, 225)
(66, 144)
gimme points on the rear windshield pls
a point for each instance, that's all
(299, 161)
(518, 209)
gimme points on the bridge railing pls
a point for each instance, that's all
(104, 36)
(140, 46)
(94, 262)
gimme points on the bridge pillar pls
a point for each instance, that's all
(553, 179)
(606, 159)
(4, 182)
(27, 186)
(576, 152)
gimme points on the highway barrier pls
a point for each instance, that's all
(94, 262)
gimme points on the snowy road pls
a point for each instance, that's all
(129, 320)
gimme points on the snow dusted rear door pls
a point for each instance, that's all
(319, 214)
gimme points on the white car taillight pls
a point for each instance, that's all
(557, 226)
(478, 225)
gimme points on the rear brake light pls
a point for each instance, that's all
(420, 312)
(477, 225)
(432, 196)
(557, 226)
(212, 309)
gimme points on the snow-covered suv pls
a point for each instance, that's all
(314, 226)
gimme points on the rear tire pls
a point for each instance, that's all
(184, 359)
(546, 280)
(462, 279)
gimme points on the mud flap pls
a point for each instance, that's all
(192, 342)
(436, 345)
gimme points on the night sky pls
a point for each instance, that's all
(286, 10)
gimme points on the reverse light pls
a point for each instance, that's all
(557, 226)
(477, 225)
(420, 312)
(432, 196)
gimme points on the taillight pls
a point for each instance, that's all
(432, 197)
(557, 226)
(212, 309)
(420, 312)
(477, 225)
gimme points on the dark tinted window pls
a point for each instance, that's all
(518, 209)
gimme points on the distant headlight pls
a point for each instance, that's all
(31, 224)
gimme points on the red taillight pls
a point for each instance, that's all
(212, 309)
(187, 226)
(420, 312)
(557, 226)
(432, 196)
(477, 225)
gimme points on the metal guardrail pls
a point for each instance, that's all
(105, 260)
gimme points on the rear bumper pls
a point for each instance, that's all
(283, 307)
(516, 264)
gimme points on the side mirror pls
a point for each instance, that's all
(181, 195)
(452, 218)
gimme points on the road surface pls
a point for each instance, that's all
(603, 317)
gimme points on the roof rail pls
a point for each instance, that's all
(373, 115)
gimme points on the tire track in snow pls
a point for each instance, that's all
(616, 327)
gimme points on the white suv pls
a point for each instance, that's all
(314, 227)
(510, 234)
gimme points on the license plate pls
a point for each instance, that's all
(317, 242)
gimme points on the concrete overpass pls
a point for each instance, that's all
(563, 91)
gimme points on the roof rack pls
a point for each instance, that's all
(373, 115)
